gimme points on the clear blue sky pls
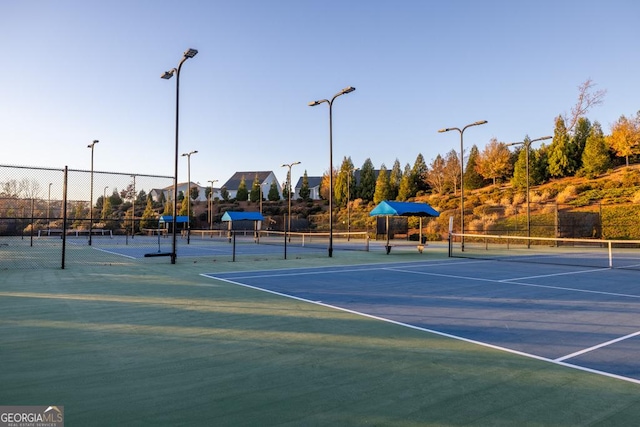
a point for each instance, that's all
(75, 71)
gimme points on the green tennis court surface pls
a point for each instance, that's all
(148, 343)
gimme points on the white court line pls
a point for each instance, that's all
(595, 347)
(510, 281)
(432, 331)
(114, 253)
(257, 274)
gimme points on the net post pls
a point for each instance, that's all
(610, 255)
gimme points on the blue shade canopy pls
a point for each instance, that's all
(239, 216)
(404, 209)
(169, 218)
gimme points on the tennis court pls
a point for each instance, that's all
(125, 341)
(586, 318)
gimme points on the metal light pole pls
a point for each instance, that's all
(188, 198)
(346, 90)
(481, 122)
(211, 204)
(91, 192)
(289, 165)
(261, 196)
(351, 171)
(189, 53)
(527, 146)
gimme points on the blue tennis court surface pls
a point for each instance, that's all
(585, 318)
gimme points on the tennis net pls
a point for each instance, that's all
(354, 240)
(624, 254)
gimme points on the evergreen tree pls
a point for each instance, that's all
(578, 142)
(274, 194)
(383, 188)
(168, 208)
(367, 184)
(559, 160)
(107, 210)
(255, 190)
(472, 179)
(305, 191)
(394, 180)
(149, 216)
(184, 209)
(242, 195)
(406, 189)
(224, 193)
(194, 192)
(342, 182)
(519, 179)
(419, 174)
(539, 165)
(595, 157)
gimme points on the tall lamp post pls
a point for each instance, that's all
(188, 198)
(211, 181)
(262, 195)
(481, 122)
(91, 192)
(527, 146)
(351, 171)
(289, 165)
(344, 91)
(189, 53)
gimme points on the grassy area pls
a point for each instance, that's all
(149, 343)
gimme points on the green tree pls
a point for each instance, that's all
(149, 216)
(254, 196)
(406, 189)
(274, 194)
(305, 191)
(539, 165)
(342, 183)
(595, 157)
(367, 185)
(168, 208)
(472, 179)
(578, 142)
(419, 174)
(107, 210)
(224, 193)
(194, 192)
(394, 179)
(185, 208)
(242, 195)
(559, 160)
(383, 188)
(519, 179)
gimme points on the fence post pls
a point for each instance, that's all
(64, 214)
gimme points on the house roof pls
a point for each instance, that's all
(403, 209)
(314, 181)
(234, 182)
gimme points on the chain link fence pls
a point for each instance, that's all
(48, 215)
